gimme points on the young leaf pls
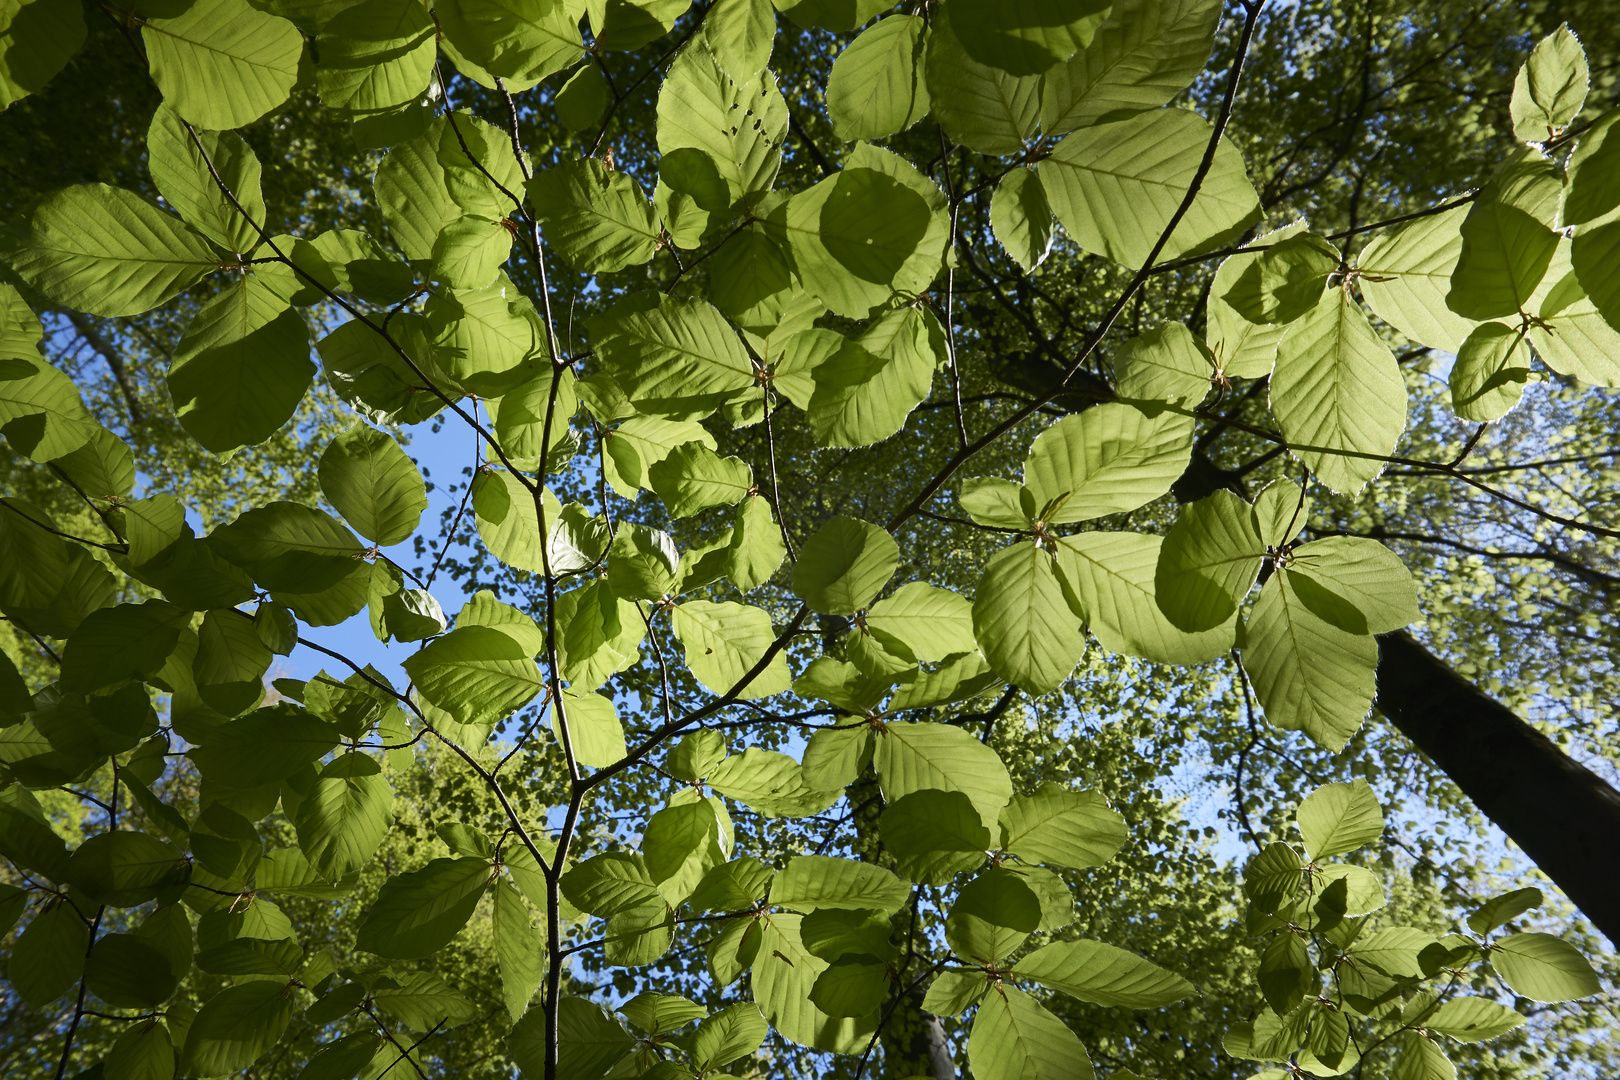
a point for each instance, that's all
(375, 56)
(1490, 372)
(1208, 563)
(982, 107)
(915, 757)
(1406, 274)
(477, 674)
(731, 1033)
(518, 949)
(934, 835)
(344, 820)
(599, 220)
(1508, 239)
(1550, 87)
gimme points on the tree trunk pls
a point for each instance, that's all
(1564, 816)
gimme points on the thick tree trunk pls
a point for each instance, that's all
(1564, 816)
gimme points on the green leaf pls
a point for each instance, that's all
(143, 1051)
(1143, 55)
(934, 835)
(375, 56)
(724, 642)
(1021, 218)
(1111, 576)
(581, 100)
(865, 391)
(252, 956)
(1573, 337)
(242, 367)
(180, 168)
(343, 821)
(756, 548)
(1022, 621)
(1208, 562)
(1309, 675)
(598, 220)
(1015, 1038)
(925, 621)
(129, 641)
(1339, 818)
(770, 784)
(589, 1041)
(851, 986)
(732, 886)
(518, 949)
(1338, 395)
(992, 917)
(230, 663)
(1501, 910)
(42, 37)
(1285, 974)
(49, 955)
(784, 975)
(1490, 372)
(1508, 239)
(980, 106)
(222, 64)
(875, 230)
(25, 837)
(741, 33)
(1286, 281)
(813, 882)
(1360, 586)
(264, 747)
(477, 674)
(1421, 1059)
(1543, 968)
(657, 1014)
(373, 484)
(417, 913)
(1405, 276)
(236, 1027)
(1116, 185)
(508, 520)
(730, 1034)
(1165, 364)
(103, 467)
(698, 109)
(876, 87)
(1106, 460)
(1103, 975)
(1393, 950)
(423, 1001)
(675, 356)
(106, 251)
(288, 547)
(1026, 37)
(1060, 827)
(1273, 878)
(844, 565)
(913, 757)
(830, 14)
(953, 993)
(1592, 188)
(1595, 253)
(1473, 1019)
(41, 412)
(523, 43)
(411, 192)
(486, 340)
(609, 884)
(594, 730)
(1550, 87)
(694, 478)
(833, 932)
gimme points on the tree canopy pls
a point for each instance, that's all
(1013, 540)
